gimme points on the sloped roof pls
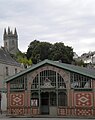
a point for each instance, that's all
(68, 67)
(6, 58)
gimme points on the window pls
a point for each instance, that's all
(35, 83)
(7, 71)
(34, 99)
(18, 83)
(15, 70)
(6, 44)
(61, 83)
(80, 81)
(48, 75)
(45, 78)
(62, 99)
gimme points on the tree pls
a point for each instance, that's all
(21, 58)
(38, 51)
(79, 62)
(62, 53)
(31, 48)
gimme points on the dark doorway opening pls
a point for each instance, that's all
(44, 103)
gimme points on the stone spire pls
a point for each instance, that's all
(15, 32)
(5, 33)
(8, 30)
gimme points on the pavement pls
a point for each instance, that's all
(7, 118)
(3, 116)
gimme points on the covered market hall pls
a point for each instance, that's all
(52, 88)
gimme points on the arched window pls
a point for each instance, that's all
(62, 99)
(48, 76)
(48, 79)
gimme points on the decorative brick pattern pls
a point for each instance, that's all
(84, 112)
(34, 111)
(83, 99)
(61, 111)
(17, 99)
(17, 111)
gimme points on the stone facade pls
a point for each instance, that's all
(8, 66)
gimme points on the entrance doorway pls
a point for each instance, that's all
(44, 103)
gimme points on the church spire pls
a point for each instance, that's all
(5, 34)
(15, 32)
(8, 30)
(5, 31)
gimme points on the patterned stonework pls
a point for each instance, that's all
(19, 111)
(17, 99)
(34, 111)
(84, 112)
(61, 111)
(83, 99)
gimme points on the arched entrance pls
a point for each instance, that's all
(50, 87)
(44, 103)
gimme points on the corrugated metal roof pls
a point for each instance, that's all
(68, 67)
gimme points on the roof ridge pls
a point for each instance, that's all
(67, 67)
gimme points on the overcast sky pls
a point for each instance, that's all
(69, 21)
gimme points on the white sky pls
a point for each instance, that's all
(69, 21)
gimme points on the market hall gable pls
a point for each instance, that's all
(52, 88)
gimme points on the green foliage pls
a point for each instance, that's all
(62, 52)
(21, 58)
(38, 51)
(80, 63)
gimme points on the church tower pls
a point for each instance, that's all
(11, 40)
